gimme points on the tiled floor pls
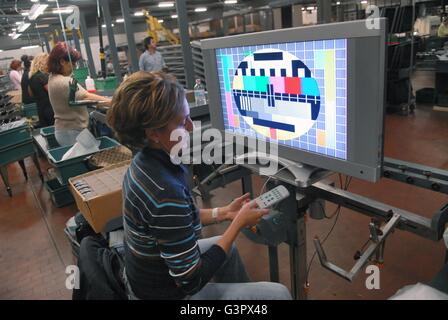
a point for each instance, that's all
(422, 138)
(34, 250)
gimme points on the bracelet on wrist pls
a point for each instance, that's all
(215, 213)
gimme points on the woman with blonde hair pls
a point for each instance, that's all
(39, 89)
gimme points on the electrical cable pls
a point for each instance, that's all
(325, 239)
(359, 253)
(336, 213)
(270, 177)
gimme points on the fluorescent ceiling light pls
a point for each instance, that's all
(18, 22)
(139, 14)
(166, 4)
(14, 29)
(310, 8)
(23, 27)
(36, 10)
(364, 2)
(62, 10)
(120, 20)
(34, 0)
(200, 9)
(25, 13)
(104, 26)
(11, 34)
(338, 3)
(16, 36)
(160, 20)
(42, 26)
(230, 1)
(174, 16)
(29, 47)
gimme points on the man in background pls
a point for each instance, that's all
(151, 60)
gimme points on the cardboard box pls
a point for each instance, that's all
(98, 194)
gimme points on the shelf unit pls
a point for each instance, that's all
(174, 61)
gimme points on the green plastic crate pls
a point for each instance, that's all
(76, 166)
(110, 83)
(16, 152)
(29, 110)
(81, 74)
(60, 194)
(14, 136)
(48, 134)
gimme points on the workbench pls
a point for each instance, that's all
(16, 144)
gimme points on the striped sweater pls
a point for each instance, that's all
(162, 226)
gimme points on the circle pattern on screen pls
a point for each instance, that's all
(276, 94)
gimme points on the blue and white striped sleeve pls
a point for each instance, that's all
(174, 230)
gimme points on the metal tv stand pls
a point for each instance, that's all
(293, 173)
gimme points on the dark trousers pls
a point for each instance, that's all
(46, 116)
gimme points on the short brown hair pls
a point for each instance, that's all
(15, 64)
(146, 100)
(61, 51)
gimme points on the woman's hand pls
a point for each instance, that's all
(106, 102)
(249, 215)
(232, 209)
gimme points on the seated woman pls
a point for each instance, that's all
(165, 257)
(69, 121)
(38, 82)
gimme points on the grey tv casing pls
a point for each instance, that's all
(366, 61)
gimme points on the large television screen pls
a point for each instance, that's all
(294, 94)
(317, 92)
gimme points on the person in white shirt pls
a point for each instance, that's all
(15, 75)
(151, 60)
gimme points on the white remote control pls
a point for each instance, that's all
(272, 197)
